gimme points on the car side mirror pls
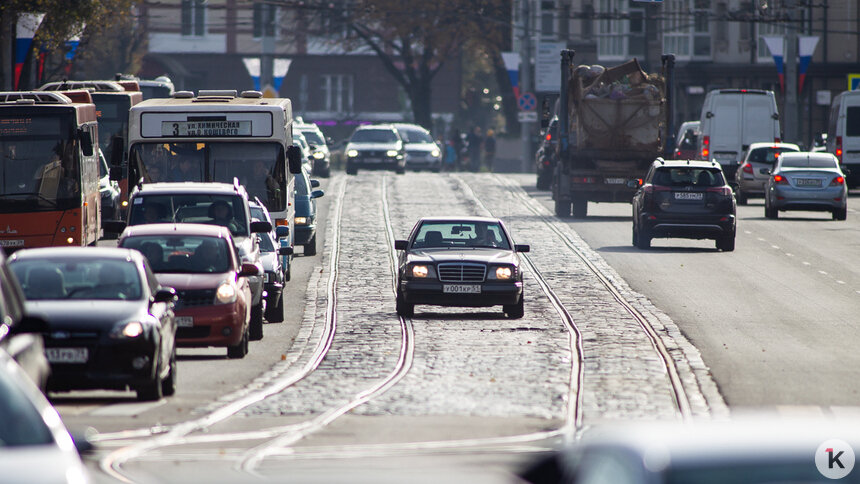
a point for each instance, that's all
(260, 227)
(317, 193)
(315, 183)
(282, 231)
(249, 269)
(401, 244)
(30, 324)
(764, 171)
(294, 157)
(114, 226)
(634, 183)
(117, 150)
(522, 248)
(86, 140)
(116, 173)
(285, 251)
(709, 115)
(164, 295)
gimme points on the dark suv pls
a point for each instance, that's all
(685, 199)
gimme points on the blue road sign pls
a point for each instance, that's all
(527, 101)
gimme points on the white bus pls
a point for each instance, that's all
(217, 136)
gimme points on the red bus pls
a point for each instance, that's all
(49, 171)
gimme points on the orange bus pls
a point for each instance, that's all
(49, 171)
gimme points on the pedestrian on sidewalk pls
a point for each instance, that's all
(489, 149)
(475, 141)
(456, 140)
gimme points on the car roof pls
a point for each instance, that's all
(765, 144)
(410, 126)
(190, 187)
(307, 126)
(687, 163)
(187, 229)
(75, 253)
(465, 218)
(376, 126)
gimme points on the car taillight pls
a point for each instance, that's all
(776, 140)
(837, 181)
(748, 168)
(678, 154)
(548, 136)
(706, 147)
(724, 191)
(780, 180)
(838, 152)
(655, 188)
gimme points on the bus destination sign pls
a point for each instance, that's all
(205, 128)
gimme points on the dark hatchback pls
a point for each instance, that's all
(465, 261)
(684, 199)
(306, 213)
(110, 323)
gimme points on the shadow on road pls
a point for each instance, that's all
(629, 249)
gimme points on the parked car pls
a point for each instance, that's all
(422, 152)
(199, 261)
(320, 154)
(806, 181)
(110, 323)
(460, 261)
(843, 134)
(209, 203)
(758, 156)
(687, 141)
(686, 199)
(35, 446)
(20, 333)
(375, 147)
(306, 213)
(547, 155)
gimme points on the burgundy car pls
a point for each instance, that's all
(200, 262)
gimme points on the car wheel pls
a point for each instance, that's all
(580, 208)
(311, 246)
(240, 349)
(326, 173)
(168, 386)
(770, 212)
(643, 239)
(351, 170)
(840, 214)
(726, 244)
(151, 391)
(404, 308)
(400, 170)
(742, 199)
(515, 311)
(543, 182)
(562, 207)
(257, 322)
(275, 310)
(635, 236)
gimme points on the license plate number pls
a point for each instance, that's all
(67, 355)
(461, 288)
(689, 196)
(12, 243)
(614, 181)
(808, 182)
(184, 321)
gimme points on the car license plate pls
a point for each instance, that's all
(184, 321)
(12, 243)
(461, 288)
(266, 277)
(372, 160)
(67, 355)
(689, 196)
(614, 181)
(808, 182)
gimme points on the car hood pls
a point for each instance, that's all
(487, 256)
(373, 146)
(270, 261)
(421, 146)
(41, 464)
(185, 281)
(85, 314)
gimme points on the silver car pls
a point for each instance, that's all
(806, 181)
(751, 180)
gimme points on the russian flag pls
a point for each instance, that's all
(28, 24)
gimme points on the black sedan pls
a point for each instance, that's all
(463, 261)
(110, 325)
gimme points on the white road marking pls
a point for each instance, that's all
(775, 247)
(761, 239)
(823, 273)
(789, 254)
(840, 282)
(747, 232)
(806, 263)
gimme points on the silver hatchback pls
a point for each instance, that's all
(806, 181)
(753, 173)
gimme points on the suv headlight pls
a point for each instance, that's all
(392, 153)
(352, 153)
(434, 153)
(129, 330)
(226, 293)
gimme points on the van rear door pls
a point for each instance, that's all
(759, 123)
(726, 128)
(851, 133)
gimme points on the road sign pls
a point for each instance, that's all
(527, 101)
(527, 116)
(853, 81)
(548, 66)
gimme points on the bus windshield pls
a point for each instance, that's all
(256, 165)
(38, 165)
(112, 112)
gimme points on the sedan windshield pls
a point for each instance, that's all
(51, 279)
(374, 136)
(183, 254)
(434, 235)
(415, 136)
(767, 155)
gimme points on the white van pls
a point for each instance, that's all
(733, 119)
(843, 134)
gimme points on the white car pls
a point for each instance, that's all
(422, 153)
(320, 153)
(307, 156)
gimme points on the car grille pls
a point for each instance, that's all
(195, 297)
(371, 154)
(194, 333)
(418, 154)
(462, 272)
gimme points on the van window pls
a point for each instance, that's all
(852, 121)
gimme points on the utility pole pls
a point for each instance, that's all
(790, 118)
(267, 59)
(525, 80)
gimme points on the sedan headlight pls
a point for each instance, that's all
(352, 153)
(226, 293)
(129, 330)
(301, 220)
(434, 153)
(319, 155)
(391, 153)
(420, 271)
(502, 273)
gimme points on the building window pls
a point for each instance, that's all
(547, 19)
(587, 21)
(611, 31)
(337, 93)
(687, 29)
(265, 20)
(193, 18)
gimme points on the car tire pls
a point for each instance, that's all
(275, 311)
(168, 386)
(543, 182)
(562, 207)
(643, 239)
(240, 349)
(400, 170)
(311, 247)
(742, 199)
(256, 326)
(635, 237)
(770, 212)
(151, 391)
(840, 213)
(326, 173)
(404, 308)
(515, 311)
(726, 244)
(580, 208)
(351, 170)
